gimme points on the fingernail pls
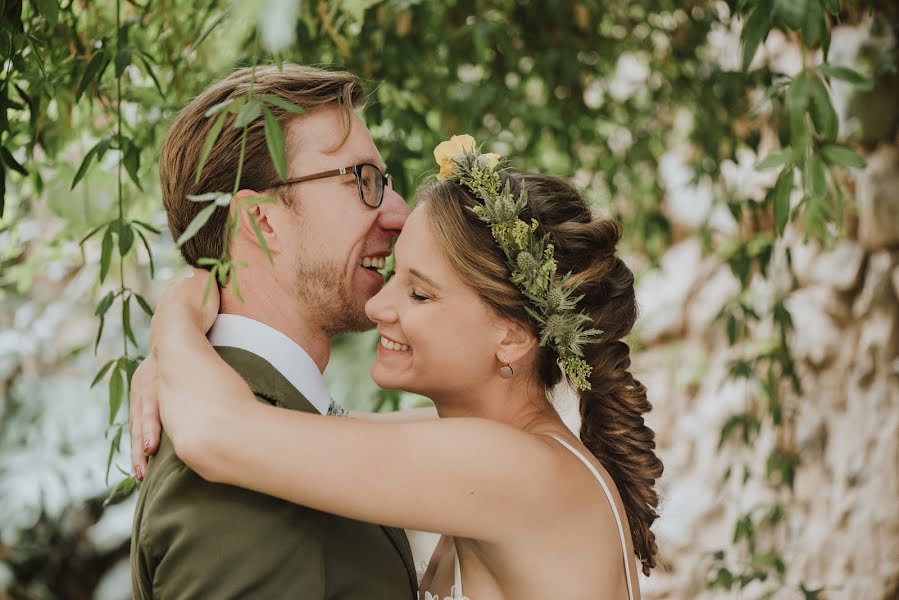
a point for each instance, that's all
(147, 445)
(139, 472)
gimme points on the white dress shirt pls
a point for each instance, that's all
(277, 349)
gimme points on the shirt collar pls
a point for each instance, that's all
(277, 349)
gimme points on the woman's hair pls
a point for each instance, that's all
(612, 424)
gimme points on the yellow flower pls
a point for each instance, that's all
(489, 160)
(445, 152)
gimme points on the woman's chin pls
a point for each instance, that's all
(385, 378)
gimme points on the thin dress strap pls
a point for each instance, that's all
(605, 488)
(457, 586)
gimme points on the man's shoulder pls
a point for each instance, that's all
(267, 382)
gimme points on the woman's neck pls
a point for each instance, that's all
(523, 406)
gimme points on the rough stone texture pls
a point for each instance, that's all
(878, 199)
(842, 528)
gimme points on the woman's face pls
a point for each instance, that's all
(437, 336)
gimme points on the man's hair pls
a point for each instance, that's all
(307, 87)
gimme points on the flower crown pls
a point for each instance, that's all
(529, 256)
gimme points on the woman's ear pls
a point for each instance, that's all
(515, 342)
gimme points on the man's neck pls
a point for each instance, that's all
(291, 320)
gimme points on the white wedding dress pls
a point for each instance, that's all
(456, 590)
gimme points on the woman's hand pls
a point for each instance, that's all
(182, 303)
(181, 298)
(144, 422)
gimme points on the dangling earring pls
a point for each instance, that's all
(506, 372)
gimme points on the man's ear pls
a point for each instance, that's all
(515, 342)
(256, 213)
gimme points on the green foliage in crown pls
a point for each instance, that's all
(530, 256)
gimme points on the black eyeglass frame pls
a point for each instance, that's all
(356, 170)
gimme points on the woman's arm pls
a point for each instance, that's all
(425, 413)
(464, 477)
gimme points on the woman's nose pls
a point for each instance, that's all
(379, 308)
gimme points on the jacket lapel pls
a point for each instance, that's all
(266, 382)
(401, 543)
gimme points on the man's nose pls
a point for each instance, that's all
(393, 212)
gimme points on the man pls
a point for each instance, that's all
(329, 232)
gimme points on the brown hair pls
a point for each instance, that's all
(612, 424)
(307, 87)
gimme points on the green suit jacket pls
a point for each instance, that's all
(197, 539)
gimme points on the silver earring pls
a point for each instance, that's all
(506, 372)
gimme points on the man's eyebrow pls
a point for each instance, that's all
(419, 275)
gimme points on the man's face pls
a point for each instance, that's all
(335, 232)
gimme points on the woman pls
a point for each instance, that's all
(477, 319)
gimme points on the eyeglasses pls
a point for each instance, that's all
(370, 182)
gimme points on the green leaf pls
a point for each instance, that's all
(842, 156)
(283, 104)
(823, 114)
(217, 108)
(755, 30)
(97, 152)
(106, 253)
(203, 197)
(92, 233)
(814, 26)
(209, 281)
(144, 305)
(847, 74)
(113, 449)
(259, 237)
(248, 113)
(122, 60)
(149, 252)
(94, 70)
(776, 159)
(102, 373)
(48, 9)
(126, 238)
(197, 224)
(126, 320)
(121, 492)
(797, 103)
(235, 287)
(782, 190)
(99, 334)
(211, 138)
(205, 261)
(817, 179)
(792, 11)
(202, 37)
(833, 7)
(149, 69)
(116, 392)
(274, 139)
(11, 162)
(146, 226)
(104, 304)
(131, 160)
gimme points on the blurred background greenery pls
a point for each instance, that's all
(733, 123)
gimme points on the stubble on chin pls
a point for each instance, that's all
(331, 301)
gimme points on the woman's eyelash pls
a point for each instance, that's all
(417, 297)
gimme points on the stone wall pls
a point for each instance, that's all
(842, 526)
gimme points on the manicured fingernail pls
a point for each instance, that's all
(147, 445)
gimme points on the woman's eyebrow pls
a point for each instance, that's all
(419, 275)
